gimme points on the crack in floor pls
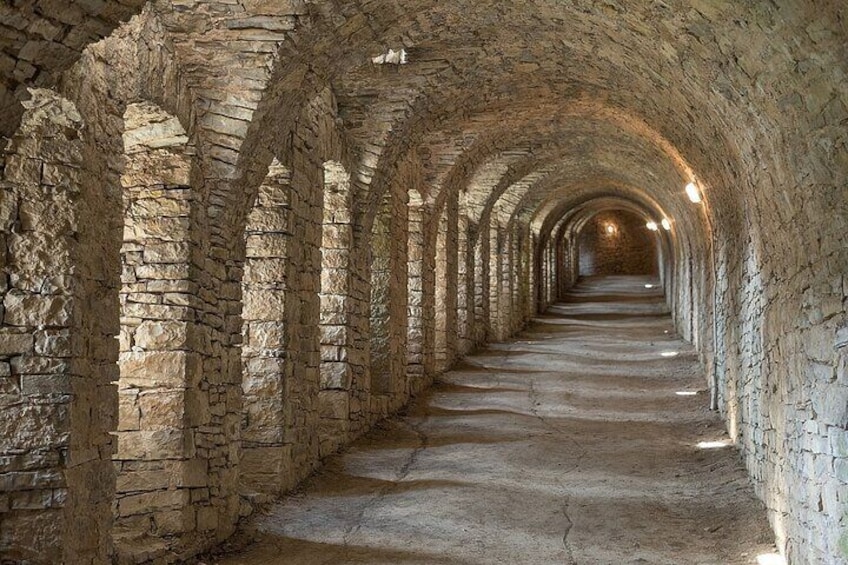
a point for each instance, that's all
(600, 468)
(353, 530)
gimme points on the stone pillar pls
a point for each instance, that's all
(265, 465)
(446, 299)
(481, 285)
(416, 320)
(381, 308)
(162, 487)
(302, 419)
(465, 288)
(336, 389)
(59, 311)
(399, 298)
(496, 278)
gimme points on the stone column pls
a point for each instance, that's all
(335, 396)
(162, 488)
(496, 279)
(416, 319)
(265, 465)
(481, 285)
(465, 288)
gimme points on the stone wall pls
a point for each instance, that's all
(617, 243)
(310, 237)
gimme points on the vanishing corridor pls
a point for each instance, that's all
(568, 444)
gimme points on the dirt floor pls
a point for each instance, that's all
(569, 444)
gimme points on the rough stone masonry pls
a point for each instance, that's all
(234, 236)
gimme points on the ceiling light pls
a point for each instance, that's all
(610, 229)
(693, 193)
(714, 444)
(652, 226)
(391, 57)
(666, 224)
(770, 559)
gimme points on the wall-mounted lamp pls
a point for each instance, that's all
(666, 224)
(693, 193)
(652, 226)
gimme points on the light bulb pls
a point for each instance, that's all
(693, 193)
(666, 224)
(652, 226)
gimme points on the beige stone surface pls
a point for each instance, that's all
(228, 235)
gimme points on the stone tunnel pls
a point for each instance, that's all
(243, 242)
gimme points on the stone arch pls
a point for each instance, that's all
(617, 242)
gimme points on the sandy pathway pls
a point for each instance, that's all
(569, 445)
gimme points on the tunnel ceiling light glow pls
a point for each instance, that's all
(392, 57)
(686, 393)
(714, 444)
(649, 286)
(666, 224)
(610, 229)
(670, 353)
(693, 193)
(652, 226)
(770, 559)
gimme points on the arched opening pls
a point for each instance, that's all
(617, 242)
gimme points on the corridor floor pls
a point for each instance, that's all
(568, 444)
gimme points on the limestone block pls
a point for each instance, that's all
(193, 474)
(267, 246)
(15, 343)
(143, 481)
(163, 229)
(161, 335)
(41, 528)
(152, 445)
(267, 270)
(334, 405)
(334, 335)
(264, 305)
(148, 502)
(55, 343)
(266, 336)
(154, 369)
(23, 309)
(174, 252)
(162, 271)
(334, 281)
(54, 382)
(257, 461)
(265, 366)
(20, 169)
(207, 518)
(335, 376)
(335, 258)
(267, 221)
(162, 409)
(174, 522)
(35, 427)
